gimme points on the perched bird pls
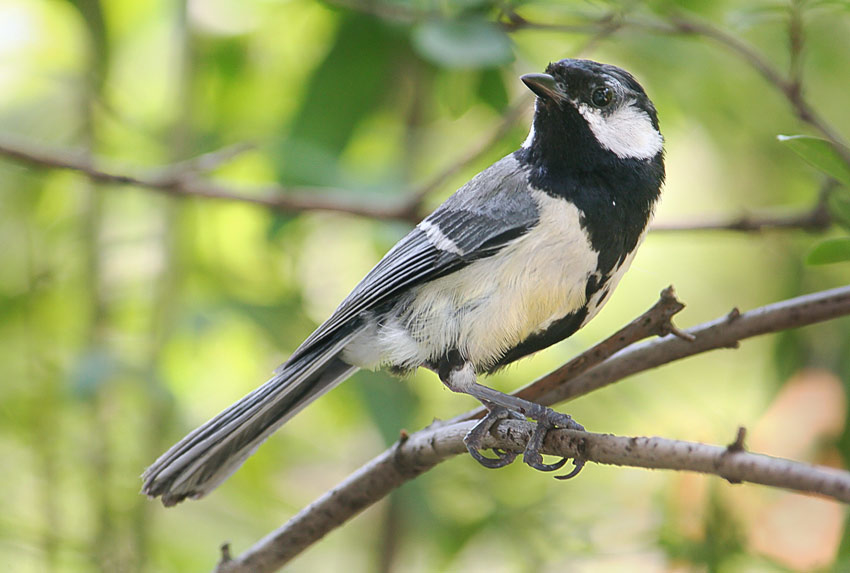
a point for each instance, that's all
(519, 258)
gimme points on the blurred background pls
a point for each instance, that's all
(128, 315)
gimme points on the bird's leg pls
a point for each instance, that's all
(459, 376)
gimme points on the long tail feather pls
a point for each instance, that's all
(202, 460)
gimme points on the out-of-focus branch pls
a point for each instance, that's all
(423, 450)
(417, 453)
(790, 87)
(181, 180)
(814, 220)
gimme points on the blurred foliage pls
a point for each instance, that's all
(128, 318)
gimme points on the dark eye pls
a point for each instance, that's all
(602, 96)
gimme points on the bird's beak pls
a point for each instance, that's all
(544, 86)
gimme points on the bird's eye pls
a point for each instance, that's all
(601, 97)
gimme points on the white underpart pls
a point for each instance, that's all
(494, 303)
(627, 131)
(438, 239)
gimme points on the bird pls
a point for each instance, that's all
(519, 258)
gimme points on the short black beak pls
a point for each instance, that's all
(544, 86)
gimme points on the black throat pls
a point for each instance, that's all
(615, 195)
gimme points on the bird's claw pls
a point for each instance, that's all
(579, 465)
(475, 437)
(532, 456)
(504, 458)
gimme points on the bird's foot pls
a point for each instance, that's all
(459, 376)
(546, 418)
(532, 455)
(475, 437)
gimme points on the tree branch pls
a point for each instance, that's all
(790, 87)
(181, 180)
(417, 453)
(816, 219)
(423, 450)
(723, 332)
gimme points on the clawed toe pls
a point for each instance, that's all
(579, 464)
(548, 467)
(475, 438)
(532, 455)
(504, 459)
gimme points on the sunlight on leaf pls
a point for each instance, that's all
(820, 153)
(830, 251)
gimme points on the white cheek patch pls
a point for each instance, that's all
(627, 132)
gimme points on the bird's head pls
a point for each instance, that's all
(588, 111)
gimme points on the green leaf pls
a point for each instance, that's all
(839, 207)
(95, 23)
(492, 90)
(463, 44)
(820, 153)
(347, 86)
(830, 251)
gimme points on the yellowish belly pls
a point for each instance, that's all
(495, 303)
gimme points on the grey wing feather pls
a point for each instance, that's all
(483, 216)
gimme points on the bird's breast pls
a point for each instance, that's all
(493, 304)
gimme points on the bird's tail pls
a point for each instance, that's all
(201, 461)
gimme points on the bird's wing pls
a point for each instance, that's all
(483, 216)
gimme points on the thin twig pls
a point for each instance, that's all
(796, 41)
(679, 23)
(815, 220)
(416, 453)
(724, 332)
(214, 159)
(790, 87)
(424, 450)
(181, 181)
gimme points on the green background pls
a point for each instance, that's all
(128, 317)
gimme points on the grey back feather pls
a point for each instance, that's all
(484, 215)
